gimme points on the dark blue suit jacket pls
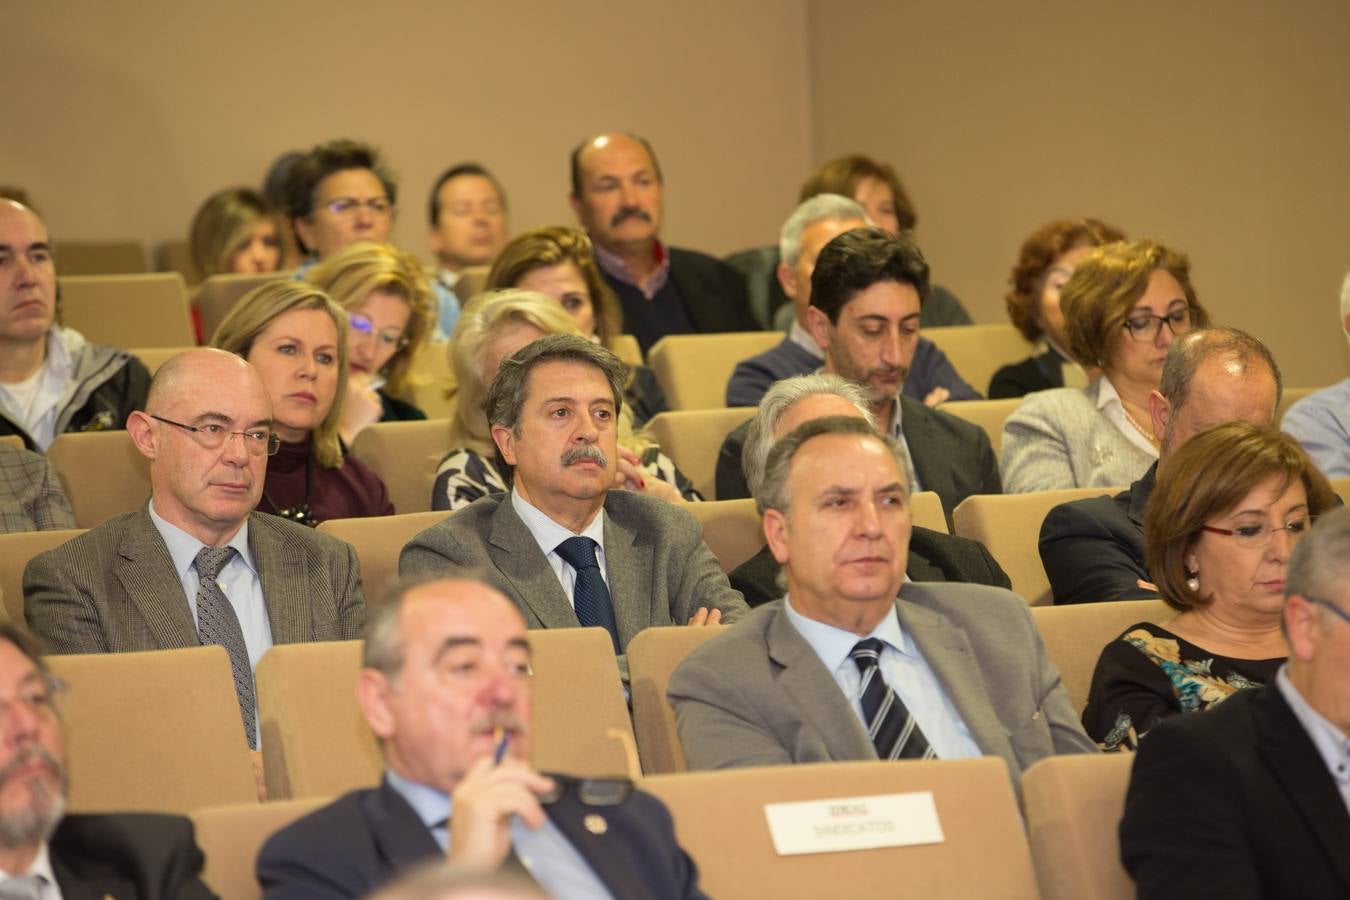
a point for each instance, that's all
(365, 838)
(131, 856)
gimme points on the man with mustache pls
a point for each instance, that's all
(617, 194)
(563, 544)
(45, 853)
(866, 292)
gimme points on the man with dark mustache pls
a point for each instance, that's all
(42, 850)
(617, 193)
(566, 546)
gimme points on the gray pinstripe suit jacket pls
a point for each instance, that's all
(113, 589)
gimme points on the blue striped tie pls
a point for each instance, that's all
(590, 596)
(891, 726)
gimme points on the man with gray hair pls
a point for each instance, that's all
(565, 546)
(1321, 420)
(933, 555)
(1252, 799)
(855, 662)
(1093, 550)
(812, 225)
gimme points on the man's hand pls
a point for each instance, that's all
(484, 802)
(1147, 585)
(936, 396)
(706, 616)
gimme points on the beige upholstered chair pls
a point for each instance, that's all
(1075, 635)
(15, 552)
(652, 656)
(431, 381)
(176, 256)
(405, 456)
(626, 348)
(731, 529)
(154, 357)
(378, 541)
(103, 473)
(155, 731)
(978, 351)
(1342, 488)
(100, 257)
(926, 508)
(693, 437)
(231, 837)
(1073, 808)
(988, 414)
(12, 440)
(694, 368)
(216, 296)
(1010, 526)
(146, 310)
(719, 819)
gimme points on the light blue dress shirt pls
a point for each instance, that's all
(1321, 423)
(546, 853)
(1333, 746)
(905, 670)
(548, 534)
(42, 868)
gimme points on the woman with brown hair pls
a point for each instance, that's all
(235, 230)
(1229, 506)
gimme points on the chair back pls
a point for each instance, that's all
(652, 656)
(378, 541)
(405, 456)
(926, 509)
(100, 257)
(731, 529)
(431, 381)
(218, 294)
(157, 731)
(988, 414)
(1075, 635)
(1342, 488)
(15, 551)
(145, 310)
(12, 440)
(1073, 805)
(176, 256)
(692, 438)
(626, 348)
(694, 368)
(232, 836)
(1009, 525)
(720, 820)
(978, 351)
(154, 357)
(103, 473)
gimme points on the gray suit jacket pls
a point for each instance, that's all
(658, 569)
(113, 589)
(757, 694)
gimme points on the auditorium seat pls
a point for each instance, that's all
(176, 256)
(1009, 525)
(926, 509)
(231, 836)
(982, 852)
(652, 656)
(694, 368)
(15, 552)
(216, 296)
(405, 456)
(988, 414)
(626, 348)
(1075, 635)
(1342, 488)
(693, 437)
(12, 440)
(154, 731)
(731, 529)
(99, 257)
(103, 473)
(1073, 808)
(154, 357)
(378, 541)
(146, 310)
(431, 383)
(978, 351)
(472, 282)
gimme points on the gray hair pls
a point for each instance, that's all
(506, 395)
(773, 490)
(781, 397)
(383, 648)
(820, 208)
(1190, 351)
(1320, 564)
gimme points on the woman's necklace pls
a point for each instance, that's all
(302, 512)
(1146, 432)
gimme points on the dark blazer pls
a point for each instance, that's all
(713, 292)
(1093, 550)
(1035, 373)
(933, 556)
(953, 457)
(127, 856)
(1235, 802)
(365, 838)
(113, 589)
(657, 567)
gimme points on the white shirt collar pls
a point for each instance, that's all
(1331, 743)
(42, 866)
(1109, 405)
(183, 547)
(447, 277)
(802, 338)
(833, 645)
(548, 534)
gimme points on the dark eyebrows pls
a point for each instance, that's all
(454, 643)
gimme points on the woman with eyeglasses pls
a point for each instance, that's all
(296, 337)
(1229, 506)
(389, 315)
(1123, 306)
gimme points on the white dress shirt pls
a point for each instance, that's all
(42, 868)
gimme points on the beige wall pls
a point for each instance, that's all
(121, 118)
(1221, 128)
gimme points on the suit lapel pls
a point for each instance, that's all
(402, 838)
(626, 564)
(517, 556)
(281, 571)
(925, 451)
(147, 574)
(601, 847)
(807, 683)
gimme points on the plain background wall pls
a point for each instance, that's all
(1220, 127)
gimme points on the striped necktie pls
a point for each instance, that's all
(218, 624)
(894, 732)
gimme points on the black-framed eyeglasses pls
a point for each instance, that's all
(590, 791)
(1259, 534)
(1144, 327)
(212, 436)
(363, 327)
(346, 206)
(1327, 604)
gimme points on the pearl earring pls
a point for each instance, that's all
(1194, 583)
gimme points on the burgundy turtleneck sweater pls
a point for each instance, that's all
(349, 491)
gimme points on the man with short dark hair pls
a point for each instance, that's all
(855, 662)
(445, 687)
(46, 853)
(566, 546)
(1093, 550)
(618, 195)
(1252, 798)
(467, 212)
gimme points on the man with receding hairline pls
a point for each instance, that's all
(197, 565)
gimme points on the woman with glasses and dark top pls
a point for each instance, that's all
(1123, 305)
(1229, 507)
(1046, 262)
(296, 337)
(390, 315)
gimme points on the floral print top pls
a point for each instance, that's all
(1149, 673)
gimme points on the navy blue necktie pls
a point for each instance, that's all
(890, 724)
(590, 596)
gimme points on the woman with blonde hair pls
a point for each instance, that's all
(492, 327)
(296, 337)
(390, 315)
